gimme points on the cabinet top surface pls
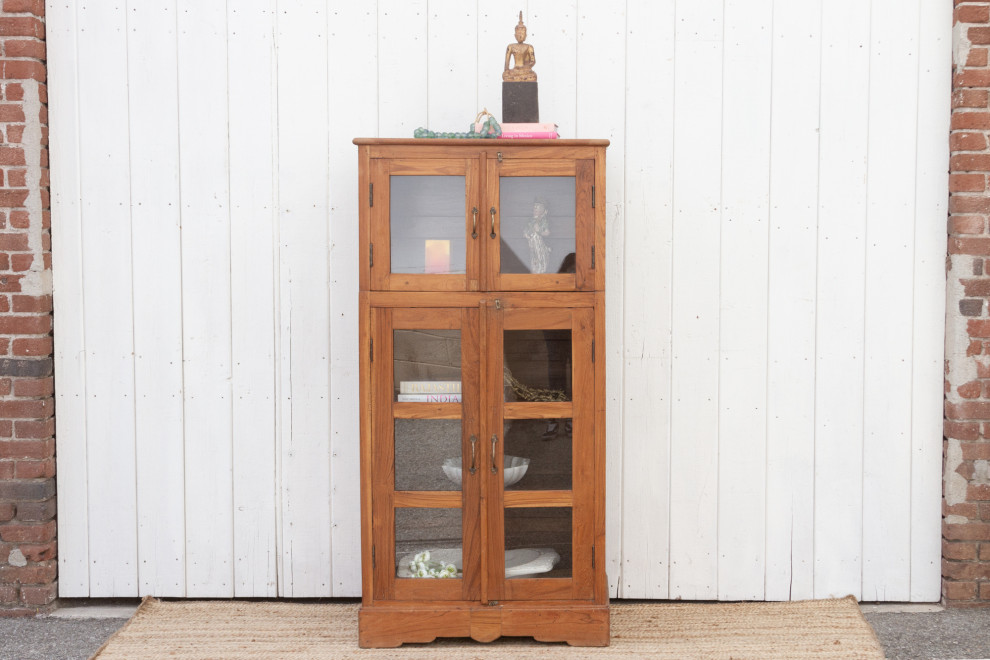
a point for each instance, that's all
(481, 142)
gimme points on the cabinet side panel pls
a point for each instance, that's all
(367, 320)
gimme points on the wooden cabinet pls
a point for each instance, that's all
(482, 390)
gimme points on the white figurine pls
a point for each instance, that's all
(536, 230)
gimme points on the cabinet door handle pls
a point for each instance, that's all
(474, 444)
(474, 223)
(494, 442)
(492, 211)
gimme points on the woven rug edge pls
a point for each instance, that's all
(146, 602)
(873, 633)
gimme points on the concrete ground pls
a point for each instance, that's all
(929, 631)
(908, 632)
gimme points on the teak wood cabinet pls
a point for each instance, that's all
(482, 390)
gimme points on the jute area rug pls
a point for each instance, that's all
(185, 630)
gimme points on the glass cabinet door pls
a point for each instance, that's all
(426, 224)
(543, 222)
(426, 436)
(539, 538)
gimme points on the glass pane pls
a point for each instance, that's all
(538, 454)
(538, 542)
(428, 543)
(537, 224)
(537, 365)
(426, 221)
(428, 454)
(427, 365)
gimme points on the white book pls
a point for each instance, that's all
(430, 398)
(429, 387)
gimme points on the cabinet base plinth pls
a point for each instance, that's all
(389, 626)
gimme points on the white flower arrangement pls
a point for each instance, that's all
(422, 567)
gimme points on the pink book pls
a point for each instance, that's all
(545, 127)
(529, 134)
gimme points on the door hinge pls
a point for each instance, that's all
(592, 556)
(592, 197)
(371, 194)
(592, 257)
(592, 350)
(373, 557)
(371, 255)
(371, 352)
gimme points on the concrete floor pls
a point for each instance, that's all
(907, 632)
(930, 632)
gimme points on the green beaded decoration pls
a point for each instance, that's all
(489, 129)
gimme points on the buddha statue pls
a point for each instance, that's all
(523, 58)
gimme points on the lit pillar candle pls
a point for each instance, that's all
(437, 256)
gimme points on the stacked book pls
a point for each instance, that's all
(430, 391)
(529, 131)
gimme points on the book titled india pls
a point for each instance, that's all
(430, 398)
(429, 387)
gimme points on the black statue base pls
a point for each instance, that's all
(520, 103)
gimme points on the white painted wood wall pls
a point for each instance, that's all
(776, 205)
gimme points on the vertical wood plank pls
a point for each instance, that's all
(205, 194)
(892, 149)
(845, 81)
(931, 201)
(491, 15)
(157, 273)
(70, 345)
(352, 113)
(791, 302)
(303, 184)
(252, 129)
(695, 301)
(552, 30)
(646, 313)
(107, 317)
(402, 67)
(743, 299)
(452, 65)
(601, 110)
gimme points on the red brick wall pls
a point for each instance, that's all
(27, 447)
(966, 505)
